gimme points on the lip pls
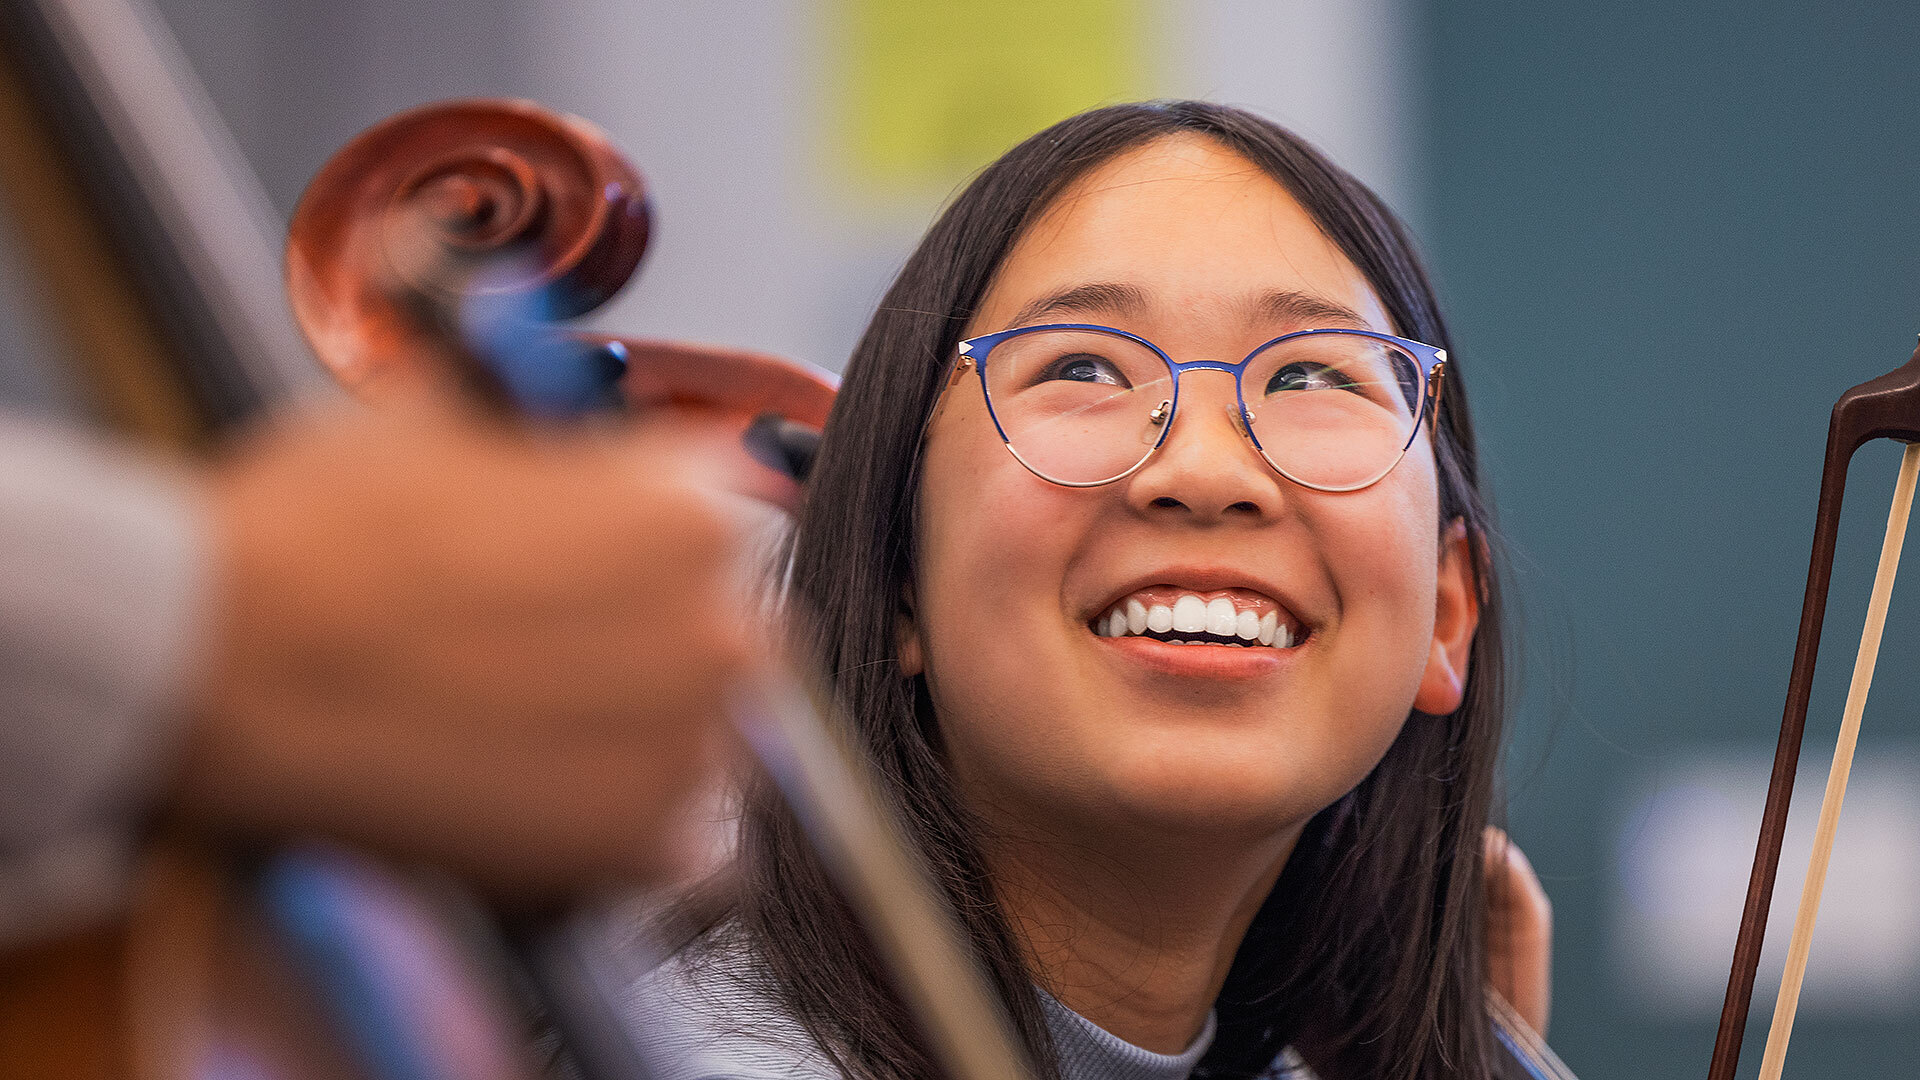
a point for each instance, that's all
(1205, 579)
(1222, 662)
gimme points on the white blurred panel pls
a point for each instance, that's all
(1685, 848)
(712, 103)
(1340, 72)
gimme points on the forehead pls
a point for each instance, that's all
(1201, 231)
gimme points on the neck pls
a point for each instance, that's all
(1136, 934)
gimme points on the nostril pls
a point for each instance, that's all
(1168, 502)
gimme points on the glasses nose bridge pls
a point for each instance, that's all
(1228, 368)
(1183, 403)
(1181, 367)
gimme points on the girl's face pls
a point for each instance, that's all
(1048, 721)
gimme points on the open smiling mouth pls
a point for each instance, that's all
(1235, 617)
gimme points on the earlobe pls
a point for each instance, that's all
(1456, 617)
(906, 633)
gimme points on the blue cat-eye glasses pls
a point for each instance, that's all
(1082, 405)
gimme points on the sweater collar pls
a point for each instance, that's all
(1087, 1051)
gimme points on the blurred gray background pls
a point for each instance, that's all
(1668, 236)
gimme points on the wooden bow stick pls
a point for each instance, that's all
(1783, 1010)
(1885, 408)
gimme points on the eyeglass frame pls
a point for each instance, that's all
(1431, 360)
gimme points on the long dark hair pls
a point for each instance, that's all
(1367, 956)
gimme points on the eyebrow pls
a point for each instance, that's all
(1304, 310)
(1288, 307)
(1093, 298)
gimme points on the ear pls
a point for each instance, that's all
(906, 638)
(1456, 616)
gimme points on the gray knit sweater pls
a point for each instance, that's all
(714, 1018)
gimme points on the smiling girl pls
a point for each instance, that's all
(1147, 552)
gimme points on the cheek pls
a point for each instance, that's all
(994, 545)
(1383, 559)
(977, 514)
(1007, 676)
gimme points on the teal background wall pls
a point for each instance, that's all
(1669, 236)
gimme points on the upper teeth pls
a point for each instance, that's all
(1190, 614)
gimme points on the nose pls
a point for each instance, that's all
(1207, 469)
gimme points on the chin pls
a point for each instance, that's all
(1209, 791)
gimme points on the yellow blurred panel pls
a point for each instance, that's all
(926, 92)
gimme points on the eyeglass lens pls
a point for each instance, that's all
(1330, 410)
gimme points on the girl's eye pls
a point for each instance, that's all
(1085, 367)
(1304, 376)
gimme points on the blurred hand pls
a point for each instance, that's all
(1519, 931)
(500, 651)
